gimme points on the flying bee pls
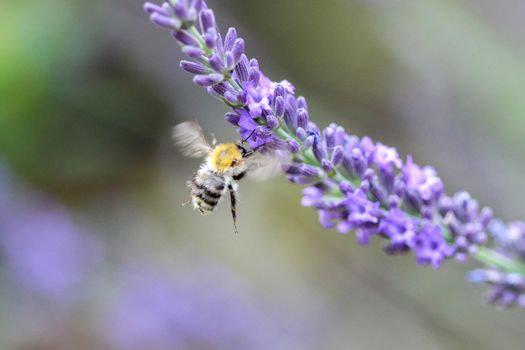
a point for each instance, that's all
(224, 165)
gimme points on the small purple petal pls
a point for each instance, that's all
(230, 38)
(231, 98)
(230, 61)
(193, 52)
(358, 162)
(311, 195)
(485, 216)
(254, 75)
(199, 5)
(241, 69)
(181, 10)
(153, 8)
(272, 122)
(300, 133)
(238, 49)
(207, 20)
(346, 187)
(308, 170)
(302, 118)
(208, 80)
(329, 135)
(290, 112)
(185, 38)
(162, 21)
(327, 165)
(318, 150)
(211, 38)
(279, 91)
(217, 63)
(221, 88)
(337, 155)
(279, 106)
(232, 118)
(293, 146)
(310, 140)
(194, 68)
(219, 47)
(301, 103)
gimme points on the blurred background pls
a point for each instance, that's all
(95, 250)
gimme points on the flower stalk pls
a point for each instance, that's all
(355, 184)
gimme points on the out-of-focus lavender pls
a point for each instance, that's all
(506, 289)
(207, 309)
(355, 184)
(45, 251)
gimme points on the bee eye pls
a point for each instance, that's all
(234, 162)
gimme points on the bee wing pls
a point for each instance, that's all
(190, 139)
(264, 166)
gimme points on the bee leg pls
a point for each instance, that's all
(185, 204)
(249, 154)
(239, 176)
(233, 202)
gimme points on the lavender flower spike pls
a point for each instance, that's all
(354, 183)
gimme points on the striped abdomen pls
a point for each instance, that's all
(207, 190)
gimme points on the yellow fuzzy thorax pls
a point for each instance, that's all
(224, 156)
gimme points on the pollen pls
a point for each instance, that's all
(224, 156)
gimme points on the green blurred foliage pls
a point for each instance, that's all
(73, 115)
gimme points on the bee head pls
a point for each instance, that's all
(226, 156)
(241, 148)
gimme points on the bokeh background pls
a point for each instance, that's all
(95, 250)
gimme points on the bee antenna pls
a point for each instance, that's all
(245, 139)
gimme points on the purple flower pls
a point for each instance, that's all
(205, 309)
(430, 247)
(399, 229)
(361, 211)
(506, 288)
(312, 196)
(422, 183)
(386, 156)
(257, 135)
(354, 183)
(257, 99)
(44, 250)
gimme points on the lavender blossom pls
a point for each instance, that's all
(207, 309)
(42, 247)
(507, 280)
(355, 184)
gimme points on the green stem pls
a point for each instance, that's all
(197, 36)
(491, 257)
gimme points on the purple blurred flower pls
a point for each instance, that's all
(207, 309)
(506, 288)
(43, 249)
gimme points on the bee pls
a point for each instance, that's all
(223, 166)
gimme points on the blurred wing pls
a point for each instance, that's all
(190, 139)
(263, 167)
